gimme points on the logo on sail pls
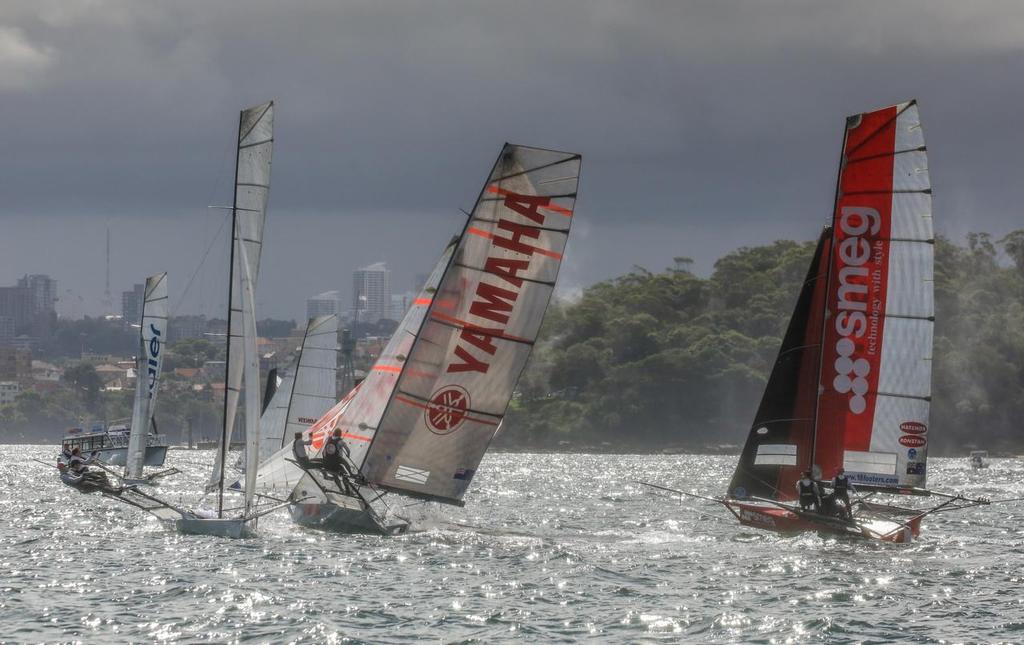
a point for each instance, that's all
(151, 363)
(447, 409)
(854, 320)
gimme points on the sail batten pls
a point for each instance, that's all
(152, 336)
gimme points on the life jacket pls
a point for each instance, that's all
(806, 489)
(841, 485)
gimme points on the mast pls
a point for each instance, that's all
(225, 437)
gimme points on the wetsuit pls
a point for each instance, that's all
(841, 488)
(332, 454)
(809, 495)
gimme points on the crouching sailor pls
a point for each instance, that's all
(77, 464)
(810, 496)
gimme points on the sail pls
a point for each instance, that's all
(252, 186)
(877, 348)
(152, 335)
(316, 377)
(458, 376)
(781, 439)
(251, 368)
(275, 416)
(363, 414)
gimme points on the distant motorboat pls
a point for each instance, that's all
(112, 444)
(979, 459)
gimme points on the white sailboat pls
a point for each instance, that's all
(152, 336)
(422, 420)
(252, 185)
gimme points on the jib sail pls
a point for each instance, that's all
(877, 347)
(459, 373)
(781, 439)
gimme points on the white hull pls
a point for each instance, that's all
(234, 528)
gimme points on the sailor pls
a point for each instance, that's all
(299, 450)
(77, 464)
(334, 451)
(841, 489)
(810, 496)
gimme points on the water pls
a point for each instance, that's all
(561, 547)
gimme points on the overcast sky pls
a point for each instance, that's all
(704, 126)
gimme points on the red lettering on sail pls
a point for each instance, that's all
(507, 269)
(494, 303)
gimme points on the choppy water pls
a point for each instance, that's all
(565, 548)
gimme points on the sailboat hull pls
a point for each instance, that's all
(341, 519)
(783, 520)
(233, 528)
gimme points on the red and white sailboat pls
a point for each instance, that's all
(851, 387)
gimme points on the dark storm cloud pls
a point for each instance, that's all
(704, 126)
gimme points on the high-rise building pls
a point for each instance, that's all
(371, 293)
(18, 304)
(44, 291)
(131, 304)
(323, 304)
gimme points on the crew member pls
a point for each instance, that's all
(335, 452)
(841, 489)
(299, 450)
(77, 464)
(810, 496)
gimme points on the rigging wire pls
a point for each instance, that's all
(206, 253)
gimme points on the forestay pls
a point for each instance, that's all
(152, 336)
(877, 347)
(457, 378)
(252, 186)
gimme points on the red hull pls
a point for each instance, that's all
(781, 520)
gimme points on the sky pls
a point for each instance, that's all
(704, 127)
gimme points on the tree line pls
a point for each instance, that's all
(673, 361)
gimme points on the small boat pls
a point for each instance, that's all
(112, 444)
(979, 459)
(152, 336)
(420, 423)
(851, 386)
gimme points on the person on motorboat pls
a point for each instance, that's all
(841, 489)
(77, 464)
(809, 494)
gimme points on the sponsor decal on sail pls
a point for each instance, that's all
(447, 409)
(913, 441)
(152, 364)
(859, 312)
(913, 427)
(493, 303)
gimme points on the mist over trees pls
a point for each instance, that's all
(673, 361)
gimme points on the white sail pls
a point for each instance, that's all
(152, 335)
(302, 398)
(252, 379)
(252, 186)
(459, 375)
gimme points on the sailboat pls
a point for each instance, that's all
(152, 337)
(420, 423)
(851, 387)
(248, 214)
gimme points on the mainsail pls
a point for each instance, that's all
(252, 186)
(457, 378)
(152, 336)
(877, 348)
(851, 387)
